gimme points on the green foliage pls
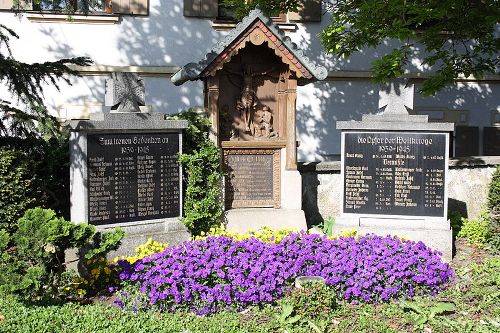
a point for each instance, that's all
(203, 200)
(494, 210)
(35, 268)
(327, 226)
(494, 194)
(240, 8)
(25, 82)
(285, 318)
(33, 172)
(312, 300)
(454, 38)
(201, 161)
(17, 190)
(423, 314)
(4, 240)
(477, 231)
(103, 243)
(456, 221)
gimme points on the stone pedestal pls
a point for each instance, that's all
(246, 219)
(394, 171)
(124, 173)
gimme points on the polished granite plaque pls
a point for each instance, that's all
(132, 177)
(394, 173)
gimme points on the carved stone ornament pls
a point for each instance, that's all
(125, 92)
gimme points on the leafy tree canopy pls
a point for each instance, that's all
(455, 38)
(25, 82)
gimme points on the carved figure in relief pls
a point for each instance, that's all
(248, 100)
(263, 127)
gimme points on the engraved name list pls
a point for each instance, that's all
(394, 173)
(132, 177)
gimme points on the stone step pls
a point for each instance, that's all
(246, 219)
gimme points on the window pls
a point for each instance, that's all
(310, 10)
(73, 6)
(125, 7)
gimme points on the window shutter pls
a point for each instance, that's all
(131, 7)
(309, 11)
(201, 8)
(9, 5)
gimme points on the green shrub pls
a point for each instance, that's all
(17, 187)
(33, 172)
(201, 161)
(456, 221)
(494, 193)
(494, 210)
(35, 267)
(477, 231)
(203, 200)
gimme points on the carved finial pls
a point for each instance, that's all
(396, 97)
(125, 92)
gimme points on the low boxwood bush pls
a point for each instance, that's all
(34, 267)
(218, 273)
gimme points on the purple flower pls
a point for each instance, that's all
(209, 275)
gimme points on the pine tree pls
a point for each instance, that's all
(26, 115)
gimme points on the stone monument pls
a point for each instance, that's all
(250, 81)
(124, 170)
(394, 171)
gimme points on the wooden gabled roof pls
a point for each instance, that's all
(256, 28)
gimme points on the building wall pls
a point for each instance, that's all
(156, 45)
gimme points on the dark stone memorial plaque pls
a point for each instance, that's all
(394, 173)
(132, 177)
(252, 178)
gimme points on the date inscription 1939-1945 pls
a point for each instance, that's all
(394, 173)
(132, 177)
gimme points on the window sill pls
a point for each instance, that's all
(218, 25)
(66, 18)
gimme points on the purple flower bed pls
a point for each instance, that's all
(219, 273)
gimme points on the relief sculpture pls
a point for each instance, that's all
(256, 118)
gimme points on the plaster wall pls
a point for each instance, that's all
(166, 40)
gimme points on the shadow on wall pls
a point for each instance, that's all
(348, 99)
(164, 38)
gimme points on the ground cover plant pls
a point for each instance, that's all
(220, 273)
(474, 295)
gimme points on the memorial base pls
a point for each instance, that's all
(434, 234)
(243, 220)
(170, 231)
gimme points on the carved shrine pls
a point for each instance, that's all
(250, 81)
